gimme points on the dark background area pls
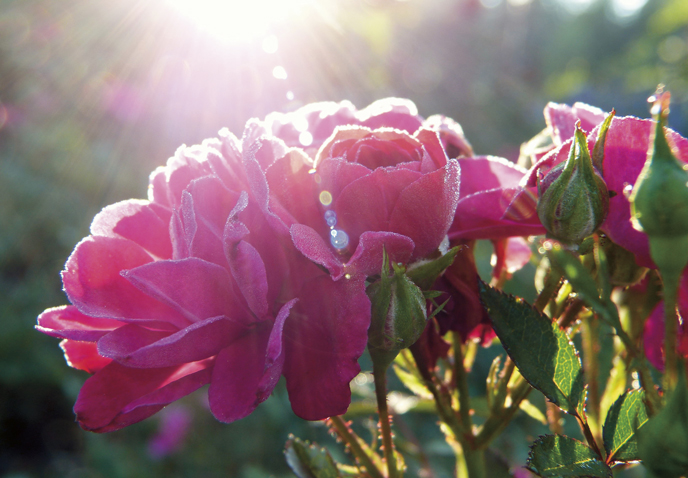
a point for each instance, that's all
(94, 95)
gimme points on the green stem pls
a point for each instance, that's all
(474, 459)
(461, 384)
(496, 423)
(590, 338)
(671, 282)
(351, 440)
(380, 378)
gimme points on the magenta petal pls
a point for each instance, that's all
(624, 156)
(425, 209)
(197, 289)
(562, 119)
(67, 322)
(94, 285)
(274, 356)
(311, 245)
(482, 173)
(137, 347)
(497, 213)
(206, 206)
(326, 334)
(135, 220)
(118, 396)
(83, 355)
(435, 151)
(367, 203)
(367, 259)
(653, 337)
(238, 370)
(249, 272)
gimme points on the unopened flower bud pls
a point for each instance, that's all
(399, 314)
(659, 202)
(574, 200)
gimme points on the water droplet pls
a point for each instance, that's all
(331, 218)
(339, 239)
(325, 198)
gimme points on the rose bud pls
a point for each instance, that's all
(573, 197)
(399, 314)
(659, 202)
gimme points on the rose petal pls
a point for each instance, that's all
(497, 213)
(482, 173)
(67, 322)
(119, 396)
(326, 334)
(313, 246)
(239, 368)
(425, 209)
(367, 204)
(94, 285)
(135, 346)
(83, 356)
(367, 259)
(135, 220)
(195, 288)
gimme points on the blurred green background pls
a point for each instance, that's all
(94, 95)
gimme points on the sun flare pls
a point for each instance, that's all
(237, 20)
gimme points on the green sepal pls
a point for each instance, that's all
(557, 456)
(543, 352)
(573, 198)
(398, 314)
(425, 273)
(659, 201)
(663, 440)
(308, 460)
(619, 433)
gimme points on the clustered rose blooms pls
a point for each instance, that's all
(625, 152)
(249, 259)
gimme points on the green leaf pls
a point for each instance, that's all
(424, 274)
(583, 283)
(542, 351)
(623, 420)
(554, 456)
(308, 460)
(663, 441)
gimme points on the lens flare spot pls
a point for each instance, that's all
(339, 239)
(331, 218)
(306, 138)
(325, 198)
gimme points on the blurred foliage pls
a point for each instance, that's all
(94, 95)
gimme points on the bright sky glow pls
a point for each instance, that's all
(237, 20)
(627, 8)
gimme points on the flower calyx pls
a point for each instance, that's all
(659, 201)
(573, 197)
(399, 313)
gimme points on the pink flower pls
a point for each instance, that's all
(213, 280)
(625, 152)
(190, 288)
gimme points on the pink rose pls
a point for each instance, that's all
(190, 288)
(213, 280)
(625, 152)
